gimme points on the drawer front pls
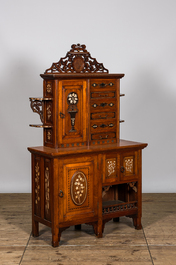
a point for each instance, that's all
(99, 126)
(103, 94)
(101, 136)
(102, 104)
(102, 115)
(106, 83)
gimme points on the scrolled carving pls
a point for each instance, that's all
(132, 185)
(77, 60)
(37, 106)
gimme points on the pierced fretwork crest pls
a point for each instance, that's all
(77, 60)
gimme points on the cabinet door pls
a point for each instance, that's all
(129, 165)
(111, 168)
(78, 189)
(72, 113)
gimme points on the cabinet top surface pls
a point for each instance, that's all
(81, 76)
(121, 145)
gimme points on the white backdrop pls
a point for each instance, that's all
(136, 37)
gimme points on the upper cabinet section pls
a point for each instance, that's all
(80, 103)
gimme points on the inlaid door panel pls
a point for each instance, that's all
(128, 166)
(72, 113)
(111, 166)
(79, 186)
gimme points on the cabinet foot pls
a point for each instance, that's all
(55, 243)
(137, 223)
(35, 228)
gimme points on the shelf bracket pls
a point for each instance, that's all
(37, 106)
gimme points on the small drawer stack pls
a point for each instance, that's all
(103, 111)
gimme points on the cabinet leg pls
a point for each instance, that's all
(137, 223)
(35, 228)
(99, 229)
(55, 237)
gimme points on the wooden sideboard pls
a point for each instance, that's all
(84, 172)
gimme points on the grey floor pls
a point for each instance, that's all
(121, 244)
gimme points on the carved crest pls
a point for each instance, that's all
(77, 60)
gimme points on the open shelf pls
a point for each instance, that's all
(118, 206)
(40, 126)
(41, 99)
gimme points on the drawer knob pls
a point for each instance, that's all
(122, 169)
(61, 194)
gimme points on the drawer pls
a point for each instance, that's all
(103, 94)
(102, 104)
(102, 115)
(101, 136)
(109, 125)
(103, 83)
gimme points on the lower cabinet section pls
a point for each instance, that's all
(85, 188)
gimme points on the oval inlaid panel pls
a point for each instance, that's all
(78, 188)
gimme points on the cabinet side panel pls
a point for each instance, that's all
(37, 185)
(47, 189)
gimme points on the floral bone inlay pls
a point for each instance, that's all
(48, 110)
(48, 88)
(49, 135)
(128, 164)
(47, 189)
(37, 183)
(111, 167)
(79, 188)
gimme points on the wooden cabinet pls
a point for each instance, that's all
(84, 173)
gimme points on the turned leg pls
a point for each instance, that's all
(35, 228)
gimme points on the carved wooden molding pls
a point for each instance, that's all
(77, 60)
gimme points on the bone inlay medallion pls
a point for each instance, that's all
(78, 188)
(128, 164)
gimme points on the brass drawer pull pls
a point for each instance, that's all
(103, 104)
(103, 125)
(104, 137)
(105, 95)
(103, 117)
